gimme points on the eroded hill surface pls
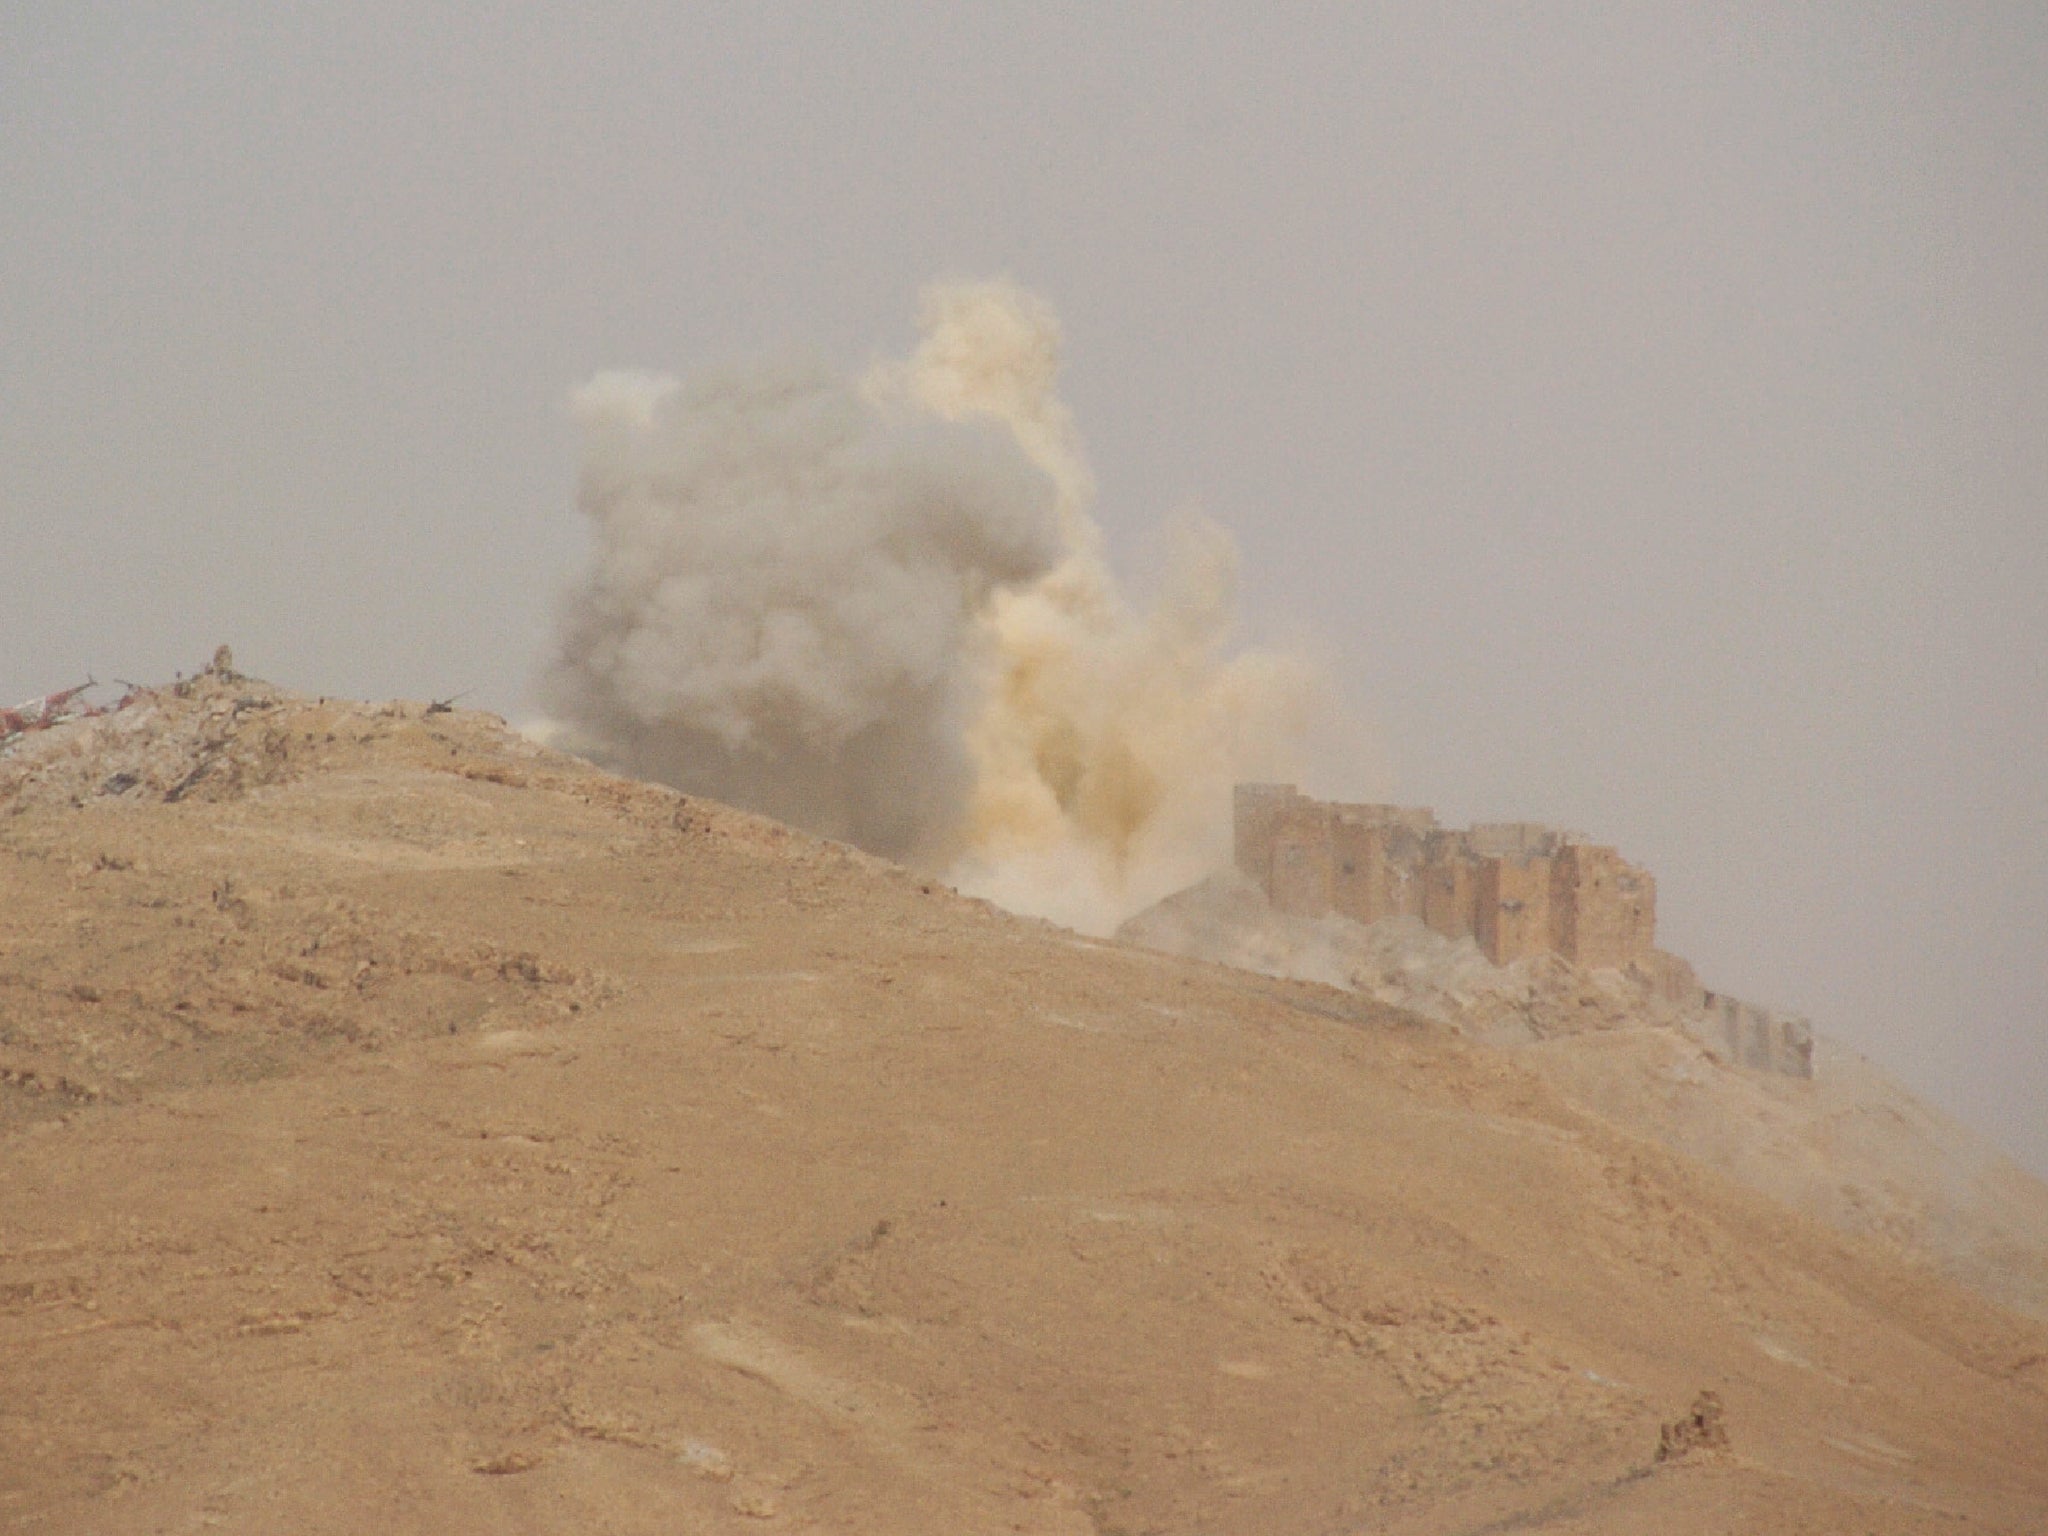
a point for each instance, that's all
(1835, 1138)
(408, 1129)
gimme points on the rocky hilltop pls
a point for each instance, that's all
(408, 1128)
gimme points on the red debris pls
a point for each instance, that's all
(51, 709)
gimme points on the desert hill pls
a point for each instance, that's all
(410, 1129)
(1840, 1139)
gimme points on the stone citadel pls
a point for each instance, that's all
(1516, 889)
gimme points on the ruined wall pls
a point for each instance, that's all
(1450, 896)
(1511, 917)
(1603, 909)
(1513, 839)
(1517, 888)
(1668, 977)
(1314, 856)
(1364, 877)
(1256, 813)
(1379, 859)
(1759, 1038)
(1303, 864)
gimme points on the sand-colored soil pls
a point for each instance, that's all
(407, 1130)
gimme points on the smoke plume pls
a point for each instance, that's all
(880, 609)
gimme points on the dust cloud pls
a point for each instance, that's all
(881, 609)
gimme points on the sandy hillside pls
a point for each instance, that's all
(409, 1130)
(1848, 1144)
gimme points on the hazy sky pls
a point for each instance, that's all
(1645, 408)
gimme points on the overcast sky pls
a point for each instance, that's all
(1642, 407)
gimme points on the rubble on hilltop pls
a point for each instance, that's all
(49, 710)
(213, 736)
(1400, 962)
(253, 972)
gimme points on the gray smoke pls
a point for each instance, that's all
(781, 605)
(882, 611)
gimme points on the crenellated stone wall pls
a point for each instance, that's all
(1516, 888)
(1603, 909)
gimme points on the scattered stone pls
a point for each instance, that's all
(511, 1461)
(1701, 1432)
(755, 1505)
